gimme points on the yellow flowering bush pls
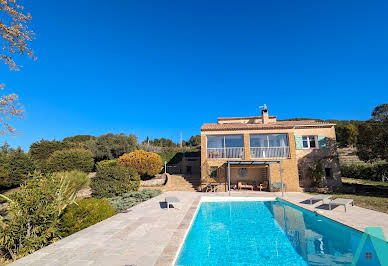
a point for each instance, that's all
(145, 163)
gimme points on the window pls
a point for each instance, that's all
(225, 146)
(228, 141)
(213, 171)
(310, 142)
(269, 146)
(328, 173)
(270, 140)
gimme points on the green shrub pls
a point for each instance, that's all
(360, 170)
(40, 151)
(168, 155)
(79, 139)
(106, 163)
(145, 163)
(77, 179)
(111, 181)
(68, 160)
(111, 146)
(175, 155)
(15, 167)
(84, 214)
(127, 200)
(32, 219)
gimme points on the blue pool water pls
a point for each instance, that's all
(266, 233)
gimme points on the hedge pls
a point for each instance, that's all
(145, 163)
(361, 170)
(111, 181)
(68, 160)
(130, 199)
(84, 214)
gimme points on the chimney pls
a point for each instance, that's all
(264, 115)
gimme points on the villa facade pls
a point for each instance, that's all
(261, 150)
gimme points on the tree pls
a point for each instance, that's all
(162, 142)
(346, 134)
(194, 141)
(79, 139)
(16, 166)
(68, 160)
(372, 144)
(112, 146)
(14, 40)
(380, 113)
(41, 150)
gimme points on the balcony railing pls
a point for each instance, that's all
(220, 153)
(270, 152)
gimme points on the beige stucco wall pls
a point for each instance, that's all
(298, 162)
(328, 157)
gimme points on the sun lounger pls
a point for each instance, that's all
(173, 201)
(319, 198)
(342, 202)
(244, 185)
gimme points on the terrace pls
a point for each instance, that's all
(148, 234)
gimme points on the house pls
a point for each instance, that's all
(262, 150)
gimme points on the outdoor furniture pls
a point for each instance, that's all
(262, 186)
(319, 198)
(173, 201)
(212, 187)
(277, 186)
(241, 185)
(342, 202)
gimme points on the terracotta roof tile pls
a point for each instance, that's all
(276, 125)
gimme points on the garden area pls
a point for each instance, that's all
(366, 184)
(40, 201)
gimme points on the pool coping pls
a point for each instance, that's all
(320, 214)
(179, 236)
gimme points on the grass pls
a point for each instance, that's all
(364, 182)
(379, 204)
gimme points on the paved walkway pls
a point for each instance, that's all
(150, 235)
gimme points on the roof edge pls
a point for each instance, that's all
(247, 117)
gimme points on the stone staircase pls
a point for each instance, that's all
(181, 183)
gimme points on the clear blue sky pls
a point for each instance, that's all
(160, 67)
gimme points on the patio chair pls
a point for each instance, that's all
(211, 187)
(262, 186)
(278, 186)
(342, 202)
(319, 198)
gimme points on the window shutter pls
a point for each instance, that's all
(322, 141)
(298, 142)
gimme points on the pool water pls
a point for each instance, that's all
(266, 233)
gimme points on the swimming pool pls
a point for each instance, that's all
(266, 233)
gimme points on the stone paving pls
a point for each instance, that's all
(148, 234)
